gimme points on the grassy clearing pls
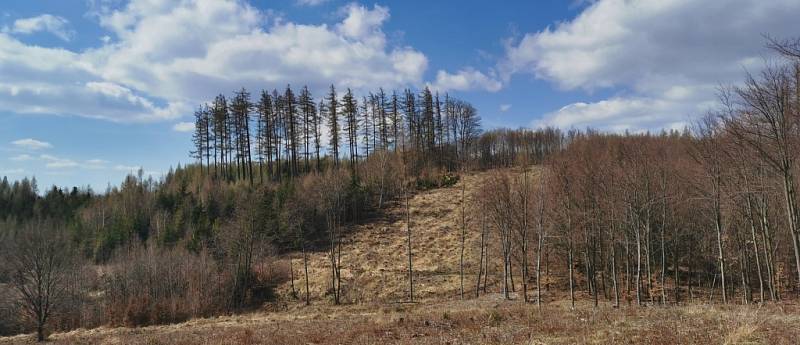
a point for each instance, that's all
(482, 321)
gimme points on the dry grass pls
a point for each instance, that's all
(482, 321)
(374, 255)
(374, 274)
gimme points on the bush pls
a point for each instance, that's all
(149, 286)
(434, 178)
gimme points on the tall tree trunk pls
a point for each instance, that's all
(410, 267)
(718, 226)
(751, 218)
(305, 268)
(638, 265)
(463, 236)
(791, 210)
(539, 254)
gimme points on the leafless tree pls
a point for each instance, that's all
(39, 260)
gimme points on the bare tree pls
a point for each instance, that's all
(39, 261)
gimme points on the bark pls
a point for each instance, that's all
(410, 267)
(463, 236)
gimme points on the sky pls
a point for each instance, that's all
(91, 90)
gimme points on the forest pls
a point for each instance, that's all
(707, 214)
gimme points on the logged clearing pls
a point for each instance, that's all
(375, 253)
(375, 293)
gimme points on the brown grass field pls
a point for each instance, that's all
(482, 321)
(375, 291)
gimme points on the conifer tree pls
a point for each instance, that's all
(333, 124)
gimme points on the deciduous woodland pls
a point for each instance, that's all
(708, 214)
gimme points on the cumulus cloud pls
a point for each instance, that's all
(55, 25)
(31, 144)
(163, 58)
(661, 53)
(465, 80)
(622, 113)
(183, 127)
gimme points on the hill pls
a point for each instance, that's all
(376, 310)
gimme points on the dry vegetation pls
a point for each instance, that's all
(375, 286)
(488, 320)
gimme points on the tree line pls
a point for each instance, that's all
(705, 214)
(280, 134)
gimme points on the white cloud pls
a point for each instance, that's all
(95, 164)
(59, 163)
(183, 127)
(465, 80)
(310, 2)
(505, 107)
(667, 54)
(41, 80)
(53, 162)
(55, 25)
(128, 168)
(163, 58)
(619, 114)
(11, 172)
(22, 157)
(31, 144)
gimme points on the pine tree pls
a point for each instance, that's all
(309, 111)
(221, 133)
(199, 137)
(278, 131)
(366, 125)
(265, 121)
(318, 118)
(240, 111)
(428, 121)
(396, 124)
(333, 124)
(383, 119)
(290, 117)
(412, 119)
(351, 115)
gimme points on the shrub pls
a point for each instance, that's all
(434, 178)
(148, 286)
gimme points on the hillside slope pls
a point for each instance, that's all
(374, 310)
(375, 253)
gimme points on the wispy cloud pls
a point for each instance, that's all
(55, 25)
(466, 80)
(310, 2)
(505, 107)
(53, 162)
(183, 127)
(95, 164)
(11, 172)
(31, 144)
(129, 168)
(22, 157)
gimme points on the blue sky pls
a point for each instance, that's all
(91, 90)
